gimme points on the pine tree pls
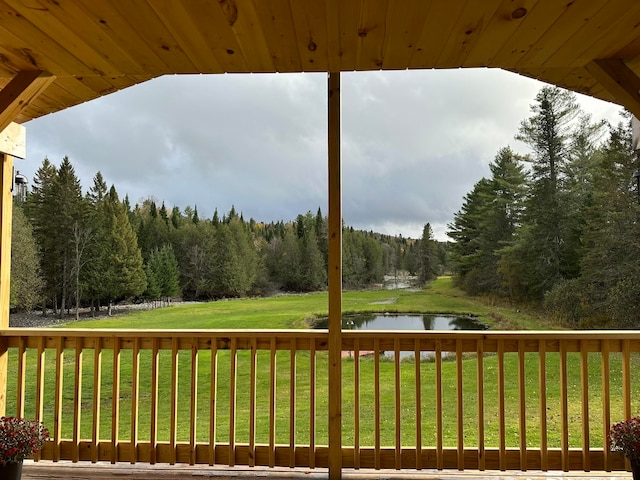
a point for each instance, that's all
(70, 231)
(26, 281)
(40, 209)
(610, 268)
(124, 275)
(428, 259)
(547, 251)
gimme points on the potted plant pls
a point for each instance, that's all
(19, 439)
(624, 437)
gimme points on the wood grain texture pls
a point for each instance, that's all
(98, 47)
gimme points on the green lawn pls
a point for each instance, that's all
(290, 311)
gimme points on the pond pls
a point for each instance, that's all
(414, 321)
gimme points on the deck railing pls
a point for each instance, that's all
(474, 400)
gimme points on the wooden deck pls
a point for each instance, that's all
(105, 471)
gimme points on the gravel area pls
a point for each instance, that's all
(35, 319)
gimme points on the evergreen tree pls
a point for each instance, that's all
(428, 259)
(609, 286)
(124, 275)
(100, 243)
(226, 264)
(70, 231)
(162, 274)
(40, 208)
(26, 281)
(547, 252)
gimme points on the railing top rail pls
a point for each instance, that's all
(319, 333)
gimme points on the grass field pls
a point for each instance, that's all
(292, 311)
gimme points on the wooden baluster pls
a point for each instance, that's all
(22, 370)
(564, 407)
(459, 405)
(213, 401)
(480, 387)
(356, 403)
(173, 426)
(40, 372)
(193, 407)
(77, 398)
(397, 407)
(584, 388)
(153, 431)
(59, 383)
(272, 403)
(135, 387)
(502, 452)
(606, 402)
(439, 412)
(312, 404)
(417, 355)
(253, 375)
(292, 404)
(626, 378)
(115, 401)
(233, 368)
(522, 398)
(97, 391)
(542, 387)
(376, 400)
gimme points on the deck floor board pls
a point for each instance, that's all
(105, 471)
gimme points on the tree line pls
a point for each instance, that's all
(558, 227)
(73, 249)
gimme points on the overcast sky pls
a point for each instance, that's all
(414, 142)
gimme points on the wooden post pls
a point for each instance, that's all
(335, 279)
(6, 181)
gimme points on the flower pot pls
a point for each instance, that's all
(13, 471)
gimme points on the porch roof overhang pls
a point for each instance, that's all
(96, 47)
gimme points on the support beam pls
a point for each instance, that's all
(619, 80)
(6, 204)
(20, 92)
(14, 98)
(335, 278)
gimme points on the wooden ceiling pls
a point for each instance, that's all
(95, 47)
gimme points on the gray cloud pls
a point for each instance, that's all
(413, 142)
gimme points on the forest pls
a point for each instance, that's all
(73, 249)
(557, 228)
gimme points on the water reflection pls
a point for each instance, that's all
(393, 321)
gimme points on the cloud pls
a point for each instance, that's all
(414, 142)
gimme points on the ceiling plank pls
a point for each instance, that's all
(312, 33)
(173, 14)
(468, 29)
(435, 33)
(497, 31)
(619, 80)
(565, 29)
(531, 32)
(80, 42)
(404, 26)
(19, 92)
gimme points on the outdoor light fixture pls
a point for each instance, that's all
(20, 184)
